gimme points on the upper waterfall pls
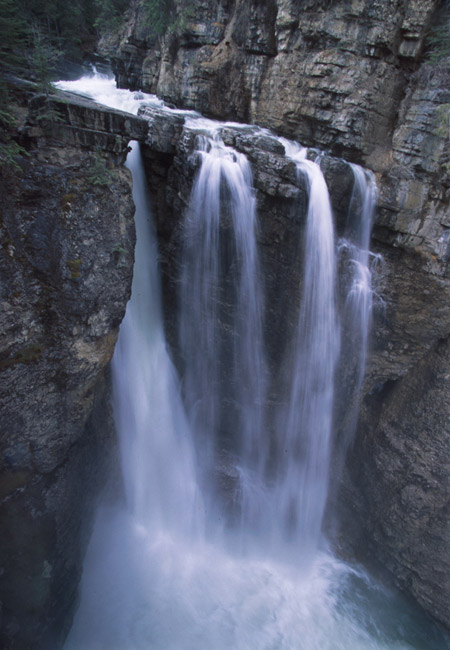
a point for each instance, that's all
(305, 438)
(221, 307)
(226, 476)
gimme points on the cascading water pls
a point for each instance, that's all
(145, 407)
(305, 438)
(221, 307)
(154, 577)
(357, 297)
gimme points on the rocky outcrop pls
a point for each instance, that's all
(399, 467)
(399, 485)
(67, 236)
(67, 119)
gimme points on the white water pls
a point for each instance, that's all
(358, 295)
(154, 578)
(221, 306)
(302, 477)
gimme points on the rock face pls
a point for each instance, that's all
(400, 491)
(67, 235)
(350, 78)
(329, 74)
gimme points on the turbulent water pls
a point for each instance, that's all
(166, 569)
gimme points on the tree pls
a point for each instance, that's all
(14, 36)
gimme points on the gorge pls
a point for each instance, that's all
(369, 96)
(173, 554)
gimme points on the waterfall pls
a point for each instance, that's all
(157, 576)
(150, 417)
(305, 435)
(356, 264)
(221, 308)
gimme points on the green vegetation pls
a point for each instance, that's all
(159, 14)
(10, 150)
(74, 267)
(67, 27)
(438, 41)
(443, 129)
(43, 59)
(443, 113)
(164, 16)
(35, 34)
(98, 172)
(13, 35)
(120, 256)
(13, 31)
(109, 14)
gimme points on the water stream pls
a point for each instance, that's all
(166, 569)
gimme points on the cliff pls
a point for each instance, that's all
(66, 259)
(350, 78)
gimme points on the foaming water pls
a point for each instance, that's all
(102, 88)
(155, 578)
(147, 590)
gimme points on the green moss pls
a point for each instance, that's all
(10, 151)
(74, 267)
(166, 16)
(120, 255)
(30, 354)
(443, 119)
(66, 202)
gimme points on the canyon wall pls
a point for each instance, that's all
(66, 262)
(351, 78)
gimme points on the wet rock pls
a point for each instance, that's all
(66, 258)
(399, 480)
(69, 119)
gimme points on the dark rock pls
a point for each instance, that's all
(69, 119)
(66, 259)
(399, 479)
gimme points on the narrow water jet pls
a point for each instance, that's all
(306, 427)
(149, 414)
(357, 265)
